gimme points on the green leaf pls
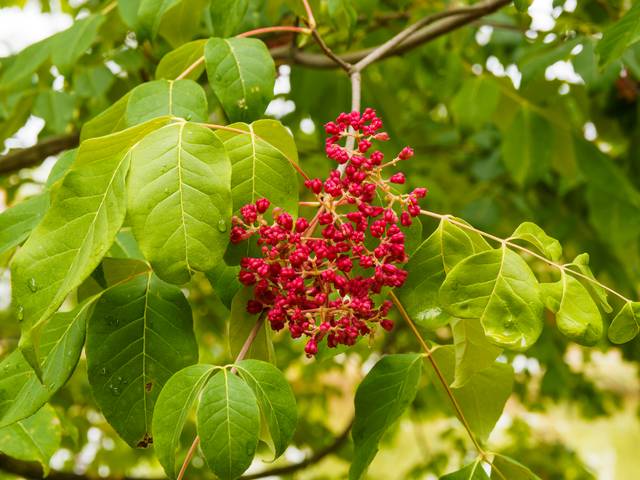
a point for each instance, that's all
(139, 335)
(56, 109)
(228, 425)
(427, 267)
(227, 16)
(613, 200)
(522, 5)
(476, 101)
(505, 467)
(224, 280)
(240, 325)
(62, 165)
(180, 98)
(21, 393)
(174, 403)
(577, 315)
(24, 65)
(177, 61)
(34, 439)
(109, 121)
(626, 324)
(150, 14)
(86, 212)
(474, 351)
(69, 45)
(620, 36)
(380, 399)
(499, 288)
(473, 471)
(182, 21)
(275, 398)
(483, 397)
(128, 10)
(262, 164)
(526, 157)
(534, 235)
(17, 222)
(93, 82)
(180, 200)
(242, 75)
(581, 264)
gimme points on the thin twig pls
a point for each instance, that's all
(504, 241)
(438, 372)
(283, 28)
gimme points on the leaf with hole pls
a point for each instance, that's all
(228, 425)
(140, 334)
(380, 400)
(499, 288)
(242, 75)
(180, 200)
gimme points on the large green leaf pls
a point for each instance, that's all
(86, 212)
(62, 165)
(177, 61)
(262, 164)
(172, 409)
(526, 157)
(180, 200)
(482, 398)
(534, 235)
(577, 315)
(179, 98)
(383, 395)
(427, 267)
(620, 36)
(240, 325)
(21, 393)
(275, 398)
(499, 288)
(505, 467)
(626, 324)
(68, 46)
(474, 351)
(34, 439)
(150, 14)
(473, 471)
(109, 121)
(227, 16)
(17, 222)
(242, 75)
(25, 64)
(228, 425)
(140, 333)
(182, 21)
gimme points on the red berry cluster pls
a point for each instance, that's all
(323, 286)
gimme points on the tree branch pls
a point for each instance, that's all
(431, 27)
(315, 458)
(29, 157)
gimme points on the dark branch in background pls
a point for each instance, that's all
(28, 157)
(421, 32)
(315, 458)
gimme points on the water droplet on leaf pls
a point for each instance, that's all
(20, 313)
(33, 286)
(222, 225)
